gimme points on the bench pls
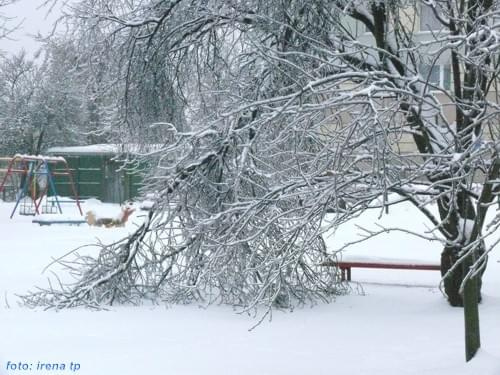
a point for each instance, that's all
(42, 222)
(345, 266)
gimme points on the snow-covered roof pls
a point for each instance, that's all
(103, 149)
(39, 157)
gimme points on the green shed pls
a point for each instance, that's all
(99, 172)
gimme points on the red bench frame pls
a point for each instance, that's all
(345, 267)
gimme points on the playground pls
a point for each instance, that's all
(31, 180)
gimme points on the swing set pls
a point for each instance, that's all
(35, 177)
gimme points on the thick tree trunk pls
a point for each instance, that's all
(452, 283)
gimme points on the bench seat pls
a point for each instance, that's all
(345, 266)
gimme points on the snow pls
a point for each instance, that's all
(385, 260)
(39, 158)
(103, 149)
(147, 205)
(466, 226)
(394, 322)
(90, 149)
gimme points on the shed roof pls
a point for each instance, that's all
(103, 149)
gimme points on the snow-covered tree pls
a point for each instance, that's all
(297, 116)
(18, 78)
(43, 103)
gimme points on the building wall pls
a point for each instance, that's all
(98, 176)
(420, 20)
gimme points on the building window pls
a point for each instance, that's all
(437, 75)
(428, 20)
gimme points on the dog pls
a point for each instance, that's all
(109, 222)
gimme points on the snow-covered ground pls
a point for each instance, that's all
(400, 325)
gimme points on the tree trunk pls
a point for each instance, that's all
(471, 298)
(452, 283)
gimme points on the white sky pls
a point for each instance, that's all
(33, 20)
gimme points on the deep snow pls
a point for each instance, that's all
(400, 324)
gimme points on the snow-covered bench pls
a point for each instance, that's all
(346, 265)
(64, 221)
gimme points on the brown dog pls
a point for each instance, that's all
(107, 221)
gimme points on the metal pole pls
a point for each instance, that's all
(52, 186)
